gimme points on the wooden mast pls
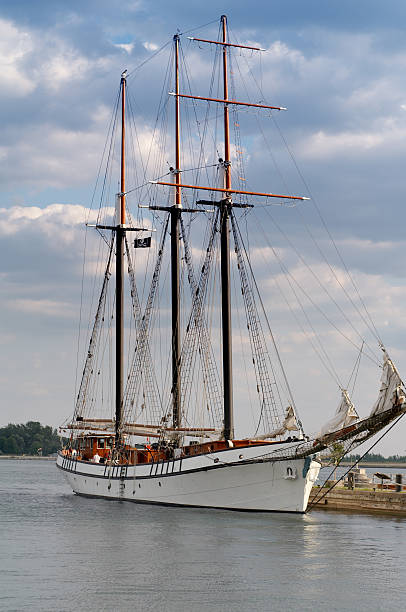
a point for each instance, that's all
(175, 264)
(120, 232)
(225, 207)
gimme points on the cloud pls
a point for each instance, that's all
(128, 47)
(55, 219)
(67, 156)
(15, 45)
(65, 67)
(47, 308)
(47, 246)
(322, 145)
(150, 46)
(379, 139)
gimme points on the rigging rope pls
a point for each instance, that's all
(89, 363)
(139, 358)
(157, 52)
(322, 286)
(289, 391)
(272, 417)
(147, 370)
(196, 331)
(368, 323)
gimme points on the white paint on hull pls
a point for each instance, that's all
(203, 480)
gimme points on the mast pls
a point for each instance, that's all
(120, 233)
(175, 264)
(225, 206)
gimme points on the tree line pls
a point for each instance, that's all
(376, 458)
(30, 438)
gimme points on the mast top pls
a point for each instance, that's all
(224, 42)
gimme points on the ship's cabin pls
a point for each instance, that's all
(93, 447)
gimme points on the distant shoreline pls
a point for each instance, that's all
(375, 464)
(28, 457)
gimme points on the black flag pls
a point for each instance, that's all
(142, 243)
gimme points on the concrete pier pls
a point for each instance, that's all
(358, 500)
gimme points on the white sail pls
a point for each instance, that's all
(289, 424)
(392, 390)
(344, 416)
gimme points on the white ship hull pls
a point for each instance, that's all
(234, 479)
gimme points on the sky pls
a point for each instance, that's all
(339, 69)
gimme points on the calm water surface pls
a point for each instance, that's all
(62, 552)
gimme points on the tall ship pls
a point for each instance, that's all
(169, 377)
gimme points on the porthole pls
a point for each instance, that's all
(159, 484)
(241, 456)
(139, 486)
(216, 460)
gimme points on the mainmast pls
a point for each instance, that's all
(225, 207)
(175, 264)
(120, 233)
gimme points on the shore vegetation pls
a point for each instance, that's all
(376, 458)
(30, 438)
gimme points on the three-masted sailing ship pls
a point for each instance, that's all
(187, 451)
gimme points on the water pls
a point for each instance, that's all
(61, 552)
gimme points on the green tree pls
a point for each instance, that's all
(10, 446)
(27, 439)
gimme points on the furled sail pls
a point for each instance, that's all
(392, 390)
(345, 415)
(289, 424)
